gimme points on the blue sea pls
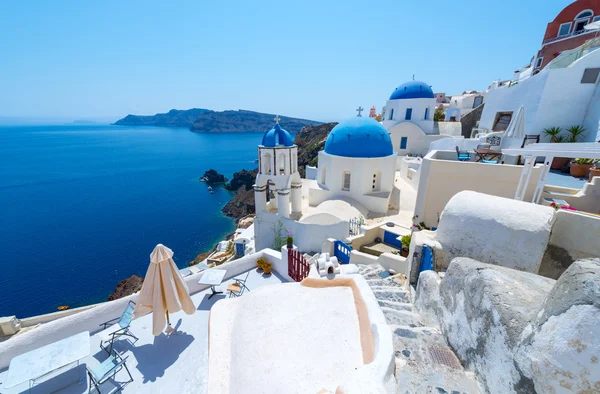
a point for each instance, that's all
(82, 207)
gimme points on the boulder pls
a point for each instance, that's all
(494, 230)
(560, 351)
(427, 297)
(483, 311)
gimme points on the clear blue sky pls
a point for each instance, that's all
(311, 59)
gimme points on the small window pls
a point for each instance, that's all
(564, 29)
(403, 142)
(502, 121)
(590, 75)
(584, 14)
(346, 181)
(579, 25)
(408, 114)
(391, 114)
(539, 62)
(478, 101)
(426, 113)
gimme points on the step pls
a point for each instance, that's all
(402, 317)
(396, 305)
(426, 364)
(389, 282)
(397, 295)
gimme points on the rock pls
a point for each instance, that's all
(246, 222)
(561, 351)
(483, 311)
(212, 177)
(242, 178)
(494, 230)
(427, 298)
(127, 287)
(311, 140)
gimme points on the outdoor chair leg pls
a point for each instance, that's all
(129, 373)
(92, 381)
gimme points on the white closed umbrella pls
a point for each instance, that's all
(516, 128)
(592, 26)
(163, 291)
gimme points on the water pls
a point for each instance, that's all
(82, 207)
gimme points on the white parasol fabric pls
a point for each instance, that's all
(516, 128)
(592, 26)
(163, 290)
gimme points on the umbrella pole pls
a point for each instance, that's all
(169, 329)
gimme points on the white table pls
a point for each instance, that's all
(38, 363)
(212, 277)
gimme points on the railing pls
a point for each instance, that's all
(355, 224)
(298, 267)
(575, 33)
(342, 251)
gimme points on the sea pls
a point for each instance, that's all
(83, 206)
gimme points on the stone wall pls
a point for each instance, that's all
(469, 121)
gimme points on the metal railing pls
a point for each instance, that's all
(573, 34)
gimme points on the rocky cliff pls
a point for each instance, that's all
(127, 287)
(205, 120)
(310, 141)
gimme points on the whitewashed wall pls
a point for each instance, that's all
(418, 113)
(440, 180)
(554, 97)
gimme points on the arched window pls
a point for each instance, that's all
(346, 179)
(584, 14)
(266, 164)
(323, 175)
(391, 113)
(283, 163)
(581, 20)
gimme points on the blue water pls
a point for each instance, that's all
(82, 207)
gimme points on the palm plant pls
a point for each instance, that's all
(575, 132)
(553, 133)
(559, 138)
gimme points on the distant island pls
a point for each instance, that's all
(208, 121)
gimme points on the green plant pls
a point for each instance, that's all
(553, 133)
(438, 115)
(406, 240)
(280, 234)
(261, 261)
(290, 240)
(575, 132)
(581, 160)
(560, 138)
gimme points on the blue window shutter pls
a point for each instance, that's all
(403, 142)
(408, 114)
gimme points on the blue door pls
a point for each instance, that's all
(392, 239)
(342, 252)
(426, 259)
(240, 249)
(408, 114)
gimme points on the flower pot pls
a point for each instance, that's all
(559, 162)
(579, 170)
(290, 245)
(267, 270)
(404, 252)
(594, 172)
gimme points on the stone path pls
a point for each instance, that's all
(424, 362)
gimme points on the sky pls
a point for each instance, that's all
(311, 59)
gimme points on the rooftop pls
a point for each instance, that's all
(174, 364)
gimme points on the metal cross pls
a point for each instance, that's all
(277, 119)
(359, 110)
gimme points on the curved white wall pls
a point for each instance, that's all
(418, 106)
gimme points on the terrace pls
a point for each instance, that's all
(177, 363)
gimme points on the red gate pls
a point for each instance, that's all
(298, 267)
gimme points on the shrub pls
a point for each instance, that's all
(406, 240)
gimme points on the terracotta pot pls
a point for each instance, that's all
(404, 252)
(594, 172)
(267, 270)
(559, 162)
(579, 170)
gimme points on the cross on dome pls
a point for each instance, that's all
(359, 110)
(277, 119)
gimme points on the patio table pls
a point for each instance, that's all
(41, 362)
(487, 154)
(212, 277)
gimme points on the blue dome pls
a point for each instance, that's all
(412, 90)
(359, 137)
(276, 137)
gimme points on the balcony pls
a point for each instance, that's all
(573, 34)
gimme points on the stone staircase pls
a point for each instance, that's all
(424, 362)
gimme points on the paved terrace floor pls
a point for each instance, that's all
(175, 364)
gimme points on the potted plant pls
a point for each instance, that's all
(555, 136)
(405, 245)
(580, 167)
(595, 170)
(267, 267)
(260, 263)
(575, 132)
(290, 242)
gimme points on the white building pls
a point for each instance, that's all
(358, 163)
(563, 94)
(460, 105)
(409, 119)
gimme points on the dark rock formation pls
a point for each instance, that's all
(205, 120)
(212, 177)
(173, 118)
(242, 204)
(127, 287)
(310, 141)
